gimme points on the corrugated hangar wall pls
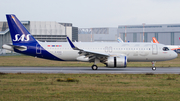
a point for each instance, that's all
(97, 34)
(168, 34)
(49, 31)
(46, 28)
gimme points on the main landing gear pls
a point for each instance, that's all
(94, 67)
(153, 65)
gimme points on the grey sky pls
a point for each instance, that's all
(94, 13)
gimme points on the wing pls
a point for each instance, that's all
(89, 54)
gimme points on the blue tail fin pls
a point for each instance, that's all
(19, 33)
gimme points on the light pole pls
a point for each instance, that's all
(125, 33)
(143, 31)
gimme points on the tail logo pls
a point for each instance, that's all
(21, 38)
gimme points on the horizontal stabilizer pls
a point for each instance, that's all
(12, 47)
(17, 47)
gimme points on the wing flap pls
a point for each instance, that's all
(92, 55)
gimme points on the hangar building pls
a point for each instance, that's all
(48, 31)
(97, 34)
(168, 34)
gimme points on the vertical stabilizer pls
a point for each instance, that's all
(19, 33)
(120, 40)
(154, 40)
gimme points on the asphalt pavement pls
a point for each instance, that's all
(88, 70)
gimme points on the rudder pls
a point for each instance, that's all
(19, 34)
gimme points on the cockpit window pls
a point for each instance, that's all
(165, 48)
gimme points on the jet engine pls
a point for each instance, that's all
(117, 62)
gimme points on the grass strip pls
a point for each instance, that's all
(28, 61)
(89, 87)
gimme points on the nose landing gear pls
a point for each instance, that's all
(153, 65)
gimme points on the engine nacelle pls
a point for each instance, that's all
(117, 62)
(82, 58)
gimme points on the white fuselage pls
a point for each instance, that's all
(133, 51)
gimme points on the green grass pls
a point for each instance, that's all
(37, 62)
(90, 87)
(86, 87)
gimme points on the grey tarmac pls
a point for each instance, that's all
(88, 70)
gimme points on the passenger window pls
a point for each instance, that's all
(165, 48)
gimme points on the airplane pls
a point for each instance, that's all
(120, 40)
(112, 54)
(175, 48)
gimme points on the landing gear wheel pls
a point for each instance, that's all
(153, 65)
(153, 68)
(94, 67)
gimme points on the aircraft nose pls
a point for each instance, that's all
(174, 55)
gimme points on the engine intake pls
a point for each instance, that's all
(117, 62)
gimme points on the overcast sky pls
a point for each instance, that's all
(94, 13)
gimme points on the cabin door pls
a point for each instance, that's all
(38, 49)
(154, 49)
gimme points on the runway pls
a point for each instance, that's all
(88, 70)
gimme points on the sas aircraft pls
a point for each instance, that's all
(112, 54)
(172, 47)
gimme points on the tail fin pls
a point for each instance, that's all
(19, 33)
(120, 40)
(154, 40)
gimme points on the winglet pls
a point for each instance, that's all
(154, 40)
(72, 45)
